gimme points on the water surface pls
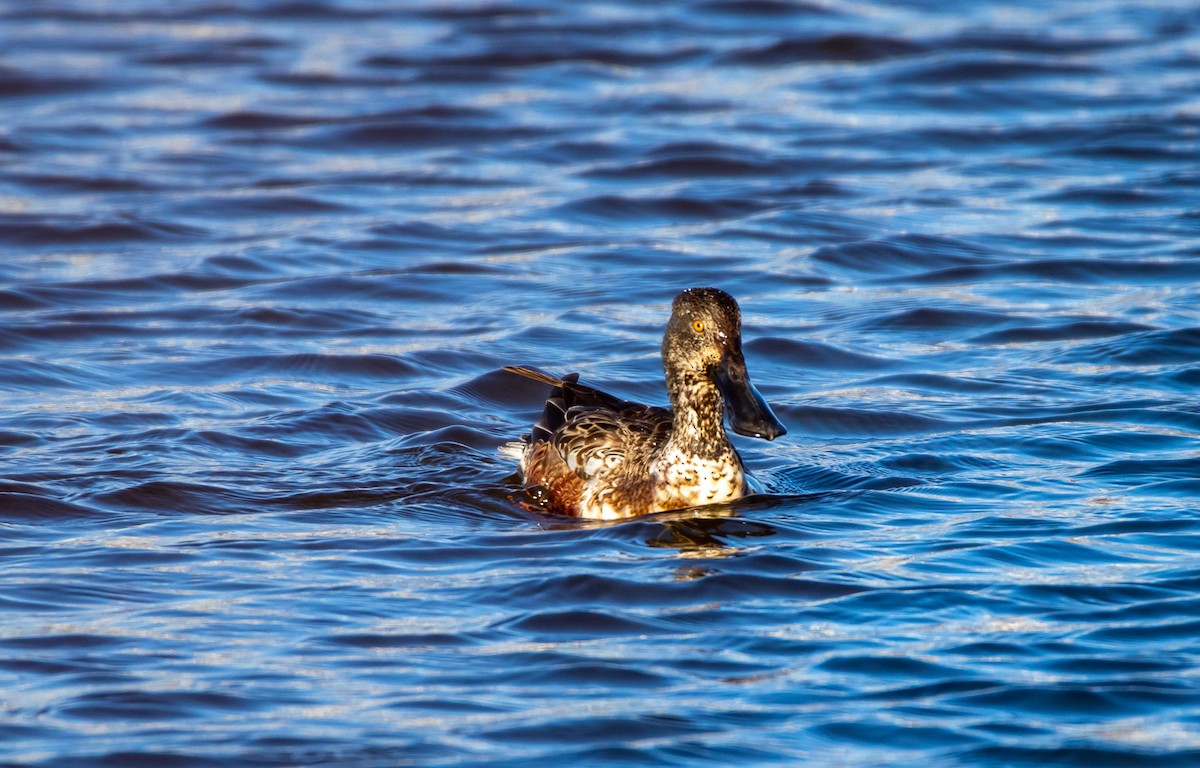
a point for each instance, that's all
(262, 263)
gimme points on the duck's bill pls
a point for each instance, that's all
(749, 413)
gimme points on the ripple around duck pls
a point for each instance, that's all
(814, 420)
(1162, 347)
(36, 506)
(768, 9)
(811, 354)
(935, 319)
(1081, 329)
(538, 53)
(1132, 755)
(25, 231)
(1137, 471)
(900, 255)
(150, 706)
(17, 83)
(164, 497)
(700, 165)
(1083, 271)
(838, 47)
(975, 68)
(619, 207)
(1127, 699)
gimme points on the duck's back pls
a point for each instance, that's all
(590, 454)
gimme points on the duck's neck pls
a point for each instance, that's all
(698, 410)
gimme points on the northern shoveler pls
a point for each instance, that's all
(597, 456)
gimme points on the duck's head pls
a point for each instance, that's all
(704, 340)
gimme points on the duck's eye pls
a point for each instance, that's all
(698, 326)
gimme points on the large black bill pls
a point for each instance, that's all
(749, 413)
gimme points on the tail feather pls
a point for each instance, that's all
(554, 414)
(568, 393)
(535, 374)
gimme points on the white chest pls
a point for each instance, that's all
(690, 481)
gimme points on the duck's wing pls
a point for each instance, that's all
(568, 400)
(587, 443)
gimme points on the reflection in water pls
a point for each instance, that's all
(711, 532)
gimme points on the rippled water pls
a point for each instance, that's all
(262, 263)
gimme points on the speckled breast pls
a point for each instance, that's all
(688, 481)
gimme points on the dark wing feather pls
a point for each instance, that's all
(599, 440)
(585, 434)
(568, 395)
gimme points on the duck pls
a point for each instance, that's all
(593, 455)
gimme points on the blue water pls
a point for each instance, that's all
(261, 264)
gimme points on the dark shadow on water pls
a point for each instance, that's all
(708, 534)
(712, 531)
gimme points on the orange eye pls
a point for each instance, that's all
(698, 326)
